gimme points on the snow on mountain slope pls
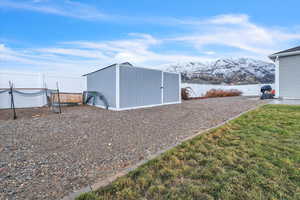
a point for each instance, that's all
(227, 71)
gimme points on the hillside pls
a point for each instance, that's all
(226, 71)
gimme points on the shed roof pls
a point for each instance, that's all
(129, 64)
(287, 52)
(125, 63)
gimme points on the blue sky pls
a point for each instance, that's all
(74, 37)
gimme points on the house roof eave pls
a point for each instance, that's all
(275, 55)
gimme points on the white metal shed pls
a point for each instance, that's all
(125, 86)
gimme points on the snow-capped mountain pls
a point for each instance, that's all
(227, 71)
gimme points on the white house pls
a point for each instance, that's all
(287, 73)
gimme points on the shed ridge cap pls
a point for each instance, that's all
(128, 64)
(101, 69)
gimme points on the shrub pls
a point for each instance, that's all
(222, 93)
(186, 93)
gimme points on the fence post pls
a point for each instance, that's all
(58, 98)
(12, 102)
(43, 85)
(162, 87)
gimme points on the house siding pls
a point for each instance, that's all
(289, 77)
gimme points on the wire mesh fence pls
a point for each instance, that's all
(48, 95)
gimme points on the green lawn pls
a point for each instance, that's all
(256, 156)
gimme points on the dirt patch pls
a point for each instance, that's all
(27, 113)
(47, 157)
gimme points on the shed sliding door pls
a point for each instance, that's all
(171, 88)
(139, 87)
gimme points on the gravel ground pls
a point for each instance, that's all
(49, 156)
(25, 113)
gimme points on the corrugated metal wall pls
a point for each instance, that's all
(171, 87)
(289, 77)
(139, 87)
(104, 81)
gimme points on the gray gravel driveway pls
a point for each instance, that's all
(50, 156)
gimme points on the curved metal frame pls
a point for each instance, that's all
(88, 95)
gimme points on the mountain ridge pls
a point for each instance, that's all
(236, 71)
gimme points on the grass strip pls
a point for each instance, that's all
(256, 156)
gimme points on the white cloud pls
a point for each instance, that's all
(228, 19)
(65, 8)
(237, 32)
(80, 57)
(209, 52)
(73, 52)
